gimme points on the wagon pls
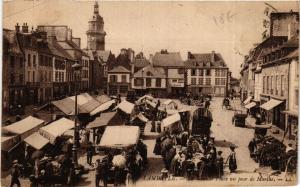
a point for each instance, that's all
(202, 119)
(239, 118)
(116, 139)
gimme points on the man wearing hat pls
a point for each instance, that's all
(15, 174)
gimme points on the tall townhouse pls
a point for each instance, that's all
(13, 82)
(38, 66)
(207, 73)
(292, 111)
(173, 66)
(59, 63)
(71, 45)
(118, 81)
(275, 74)
(119, 74)
(149, 79)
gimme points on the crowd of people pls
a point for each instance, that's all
(121, 166)
(193, 157)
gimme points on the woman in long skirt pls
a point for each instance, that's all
(232, 160)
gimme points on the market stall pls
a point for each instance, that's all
(103, 107)
(56, 129)
(36, 141)
(120, 136)
(24, 127)
(172, 123)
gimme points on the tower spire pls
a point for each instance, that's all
(96, 8)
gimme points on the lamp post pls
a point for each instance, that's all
(77, 69)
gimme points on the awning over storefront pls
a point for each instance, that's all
(247, 100)
(126, 107)
(103, 107)
(24, 127)
(291, 113)
(250, 105)
(36, 140)
(120, 136)
(103, 120)
(56, 129)
(270, 104)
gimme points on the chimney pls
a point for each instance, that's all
(289, 31)
(51, 39)
(190, 56)
(17, 27)
(130, 54)
(151, 59)
(212, 57)
(24, 28)
(69, 35)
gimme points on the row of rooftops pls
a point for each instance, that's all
(39, 40)
(173, 59)
(270, 46)
(58, 40)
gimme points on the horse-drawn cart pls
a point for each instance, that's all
(122, 142)
(239, 118)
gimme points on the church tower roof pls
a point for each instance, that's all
(96, 16)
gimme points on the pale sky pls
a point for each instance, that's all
(199, 27)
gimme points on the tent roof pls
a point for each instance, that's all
(126, 107)
(24, 125)
(56, 129)
(170, 120)
(169, 101)
(102, 107)
(36, 140)
(120, 136)
(141, 117)
(103, 120)
(148, 97)
(103, 98)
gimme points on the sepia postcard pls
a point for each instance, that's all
(149, 93)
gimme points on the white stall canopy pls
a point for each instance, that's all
(120, 136)
(56, 129)
(24, 127)
(126, 107)
(36, 140)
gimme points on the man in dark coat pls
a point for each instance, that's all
(98, 173)
(89, 153)
(105, 171)
(142, 149)
(15, 174)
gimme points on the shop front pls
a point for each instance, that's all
(273, 110)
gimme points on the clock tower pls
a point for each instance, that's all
(96, 33)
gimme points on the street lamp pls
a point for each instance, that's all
(77, 70)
